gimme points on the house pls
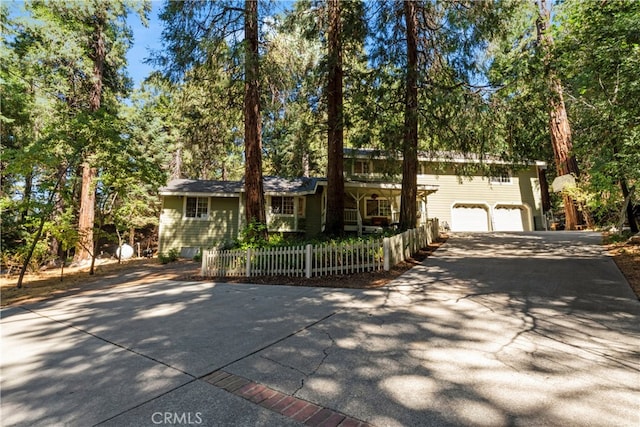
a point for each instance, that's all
(197, 213)
(466, 199)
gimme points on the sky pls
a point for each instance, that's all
(144, 39)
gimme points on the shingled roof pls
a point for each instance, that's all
(272, 185)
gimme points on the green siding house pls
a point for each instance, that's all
(202, 214)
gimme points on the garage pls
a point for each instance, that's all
(469, 217)
(509, 218)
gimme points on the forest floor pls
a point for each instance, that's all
(627, 258)
(48, 284)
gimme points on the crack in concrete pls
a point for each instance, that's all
(325, 352)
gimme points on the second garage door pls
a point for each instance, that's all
(508, 218)
(469, 218)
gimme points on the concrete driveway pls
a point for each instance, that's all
(495, 329)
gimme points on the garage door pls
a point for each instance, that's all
(469, 218)
(508, 218)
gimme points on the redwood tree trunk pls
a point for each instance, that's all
(408, 197)
(255, 206)
(87, 212)
(86, 215)
(335, 140)
(558, 122)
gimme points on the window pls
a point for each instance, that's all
(282, 205)
(501, 179)
(197, 207)
(378, 207)
(361, 166)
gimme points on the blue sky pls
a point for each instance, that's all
(144, 39)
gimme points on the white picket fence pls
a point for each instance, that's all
(319, 260)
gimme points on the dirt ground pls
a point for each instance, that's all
(627, 257)
(47, 284)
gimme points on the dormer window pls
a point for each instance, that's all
(361, 167)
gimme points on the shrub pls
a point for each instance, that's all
(171, 256)
(251, 236)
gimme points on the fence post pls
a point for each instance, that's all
(308, 258)
(248, 267)
(203, 267)
(386, 253)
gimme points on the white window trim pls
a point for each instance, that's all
(192, 218)
(291, 215)
(378, 199)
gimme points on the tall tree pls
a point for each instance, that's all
(253, 185)
(559, 126)
(408, 206)
(335, 123)
(74, 55)
(195, 33)
(598, 49)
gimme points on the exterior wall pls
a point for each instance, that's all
(178, 232)
(314, 214)
(523, 190)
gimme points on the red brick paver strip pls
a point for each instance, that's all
(263, 395)
(350, 422)
(294, 409)
(286, 405)
(319, 418)
(239, 383)
(333, 421)
(283, 404)
(216, 376)
(307, 412)
(271, 402)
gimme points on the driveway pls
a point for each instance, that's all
(494, 329)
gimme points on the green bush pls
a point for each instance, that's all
(171, 256)
(251, 236)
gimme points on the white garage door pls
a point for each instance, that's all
(469, 218)
(508, 218)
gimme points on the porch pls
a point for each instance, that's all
(372, 207)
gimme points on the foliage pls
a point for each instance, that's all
(600, 52)
(171, 256)
(481, 90)
(252, 235)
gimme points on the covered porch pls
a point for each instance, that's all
(372, 207)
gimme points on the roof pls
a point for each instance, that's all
(430, 188)
(437, 156)
(273, 185)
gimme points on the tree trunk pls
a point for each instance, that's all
(544, 189)
(26, 199)
(253, 185)
(55, 247)
(559, 126)
(86, 215)
(335, 124)
(408, 197)
(633, 225)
